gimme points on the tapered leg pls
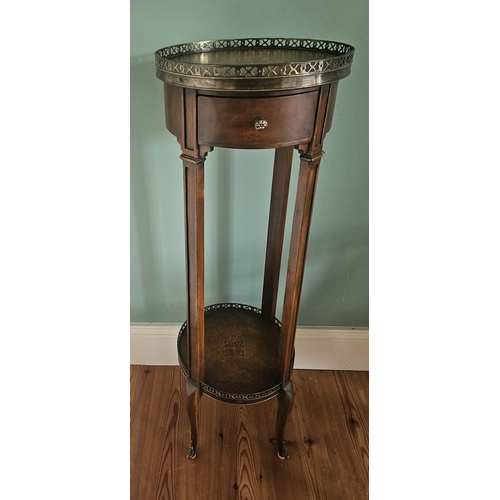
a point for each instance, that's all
(285, 404)
(194, 200)
(193, 408)
(308, 175)
(194, 218)
(277, 218)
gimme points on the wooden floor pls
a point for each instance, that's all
(326, 435)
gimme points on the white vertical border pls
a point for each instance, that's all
(64, 258)
(434, 247)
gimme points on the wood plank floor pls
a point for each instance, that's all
(326, 434)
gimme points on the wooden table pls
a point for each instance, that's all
(251, 93)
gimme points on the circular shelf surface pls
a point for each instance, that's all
(241, 354)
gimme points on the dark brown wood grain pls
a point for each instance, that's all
(194, 190)
(330, 107)
(326, 435)
(276, 229)
(308, 175)
(194, 232)
(229, 121)
(174, 98)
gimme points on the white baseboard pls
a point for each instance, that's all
(316, 348)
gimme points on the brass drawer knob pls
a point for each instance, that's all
(260, 123)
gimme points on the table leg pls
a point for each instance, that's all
(194, 220)
(308, 175)
(285, 404)
(277, 217)
(193, 407)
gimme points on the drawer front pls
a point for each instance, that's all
(232, 122)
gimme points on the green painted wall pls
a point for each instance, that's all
(238, 183)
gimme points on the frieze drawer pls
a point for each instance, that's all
(256, 122)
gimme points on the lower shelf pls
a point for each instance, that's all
(241, 354)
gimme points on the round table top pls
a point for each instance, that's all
(254, 64)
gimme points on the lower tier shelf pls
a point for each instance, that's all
(241, 354)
